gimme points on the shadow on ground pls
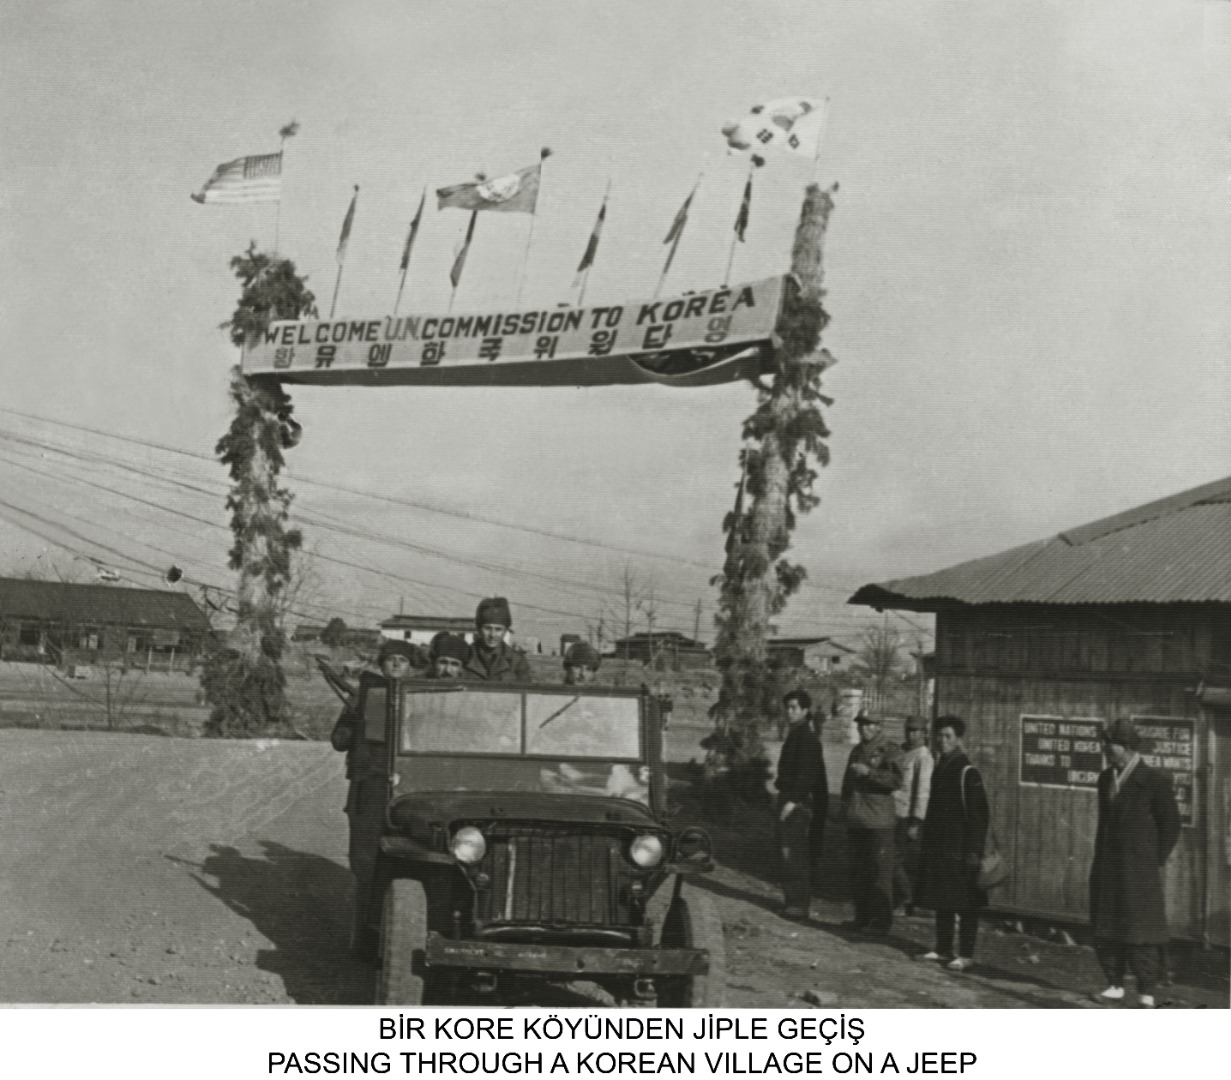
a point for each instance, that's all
(301, 903)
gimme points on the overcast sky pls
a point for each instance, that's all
(1029, 273)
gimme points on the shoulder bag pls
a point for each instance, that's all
(993, 870)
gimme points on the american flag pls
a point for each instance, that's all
(257, 178)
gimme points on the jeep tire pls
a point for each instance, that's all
(692, 923)
(403, 937)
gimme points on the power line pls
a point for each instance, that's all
(414, 504)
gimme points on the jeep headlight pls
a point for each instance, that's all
(468, 845)
(646, 851)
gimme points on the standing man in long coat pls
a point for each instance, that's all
(801, 783)
(367, 768)
(954, 831)
(1138, 826)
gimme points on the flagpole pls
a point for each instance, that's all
(278, 211)
(585, 281)
(334, 302)
(284, 133)
(455, 275)
(676, 243)
(415, 228)
(342, 242)
(544, 154)
(820, 139)
(726, 280)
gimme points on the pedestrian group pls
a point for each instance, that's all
(918, 823)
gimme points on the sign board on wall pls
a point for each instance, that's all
(1067, 752)
(1169, 743)
(1061, 752)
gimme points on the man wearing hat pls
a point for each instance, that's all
(910, 803)
(873, 774)
(1138, 825)
(367, 769)
(580, 664)
(449, 652)
(491, 658)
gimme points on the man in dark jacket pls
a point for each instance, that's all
(873, 774)
(367, 769)
(802, 788)
(1138, 825)
(491, 658)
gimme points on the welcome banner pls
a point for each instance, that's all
(675, 340)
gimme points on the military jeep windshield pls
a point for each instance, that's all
(545, 725)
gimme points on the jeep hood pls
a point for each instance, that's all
(445, 807)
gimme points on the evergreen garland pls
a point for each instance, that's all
(784, 444)
(245, 684)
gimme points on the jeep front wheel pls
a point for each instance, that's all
(403, 940)
(692, 923)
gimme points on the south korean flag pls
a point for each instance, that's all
(789, 126)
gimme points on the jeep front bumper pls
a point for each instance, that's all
(561, 960)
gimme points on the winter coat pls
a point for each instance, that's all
(867, 801)
(1137, 830)
(801, 769)
(505, 664)
(953, 838)
(911, 799)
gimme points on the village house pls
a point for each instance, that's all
(420, 629)
(1039, 647)
(667, 649)
(61, 622)
(822, 655)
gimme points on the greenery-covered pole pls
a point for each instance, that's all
(245, 684)
(783, 445)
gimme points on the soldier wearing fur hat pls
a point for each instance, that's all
(581, 664)
(491, 658)
(449, 652)
(1138, 826)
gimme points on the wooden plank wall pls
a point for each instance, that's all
(1047, 834)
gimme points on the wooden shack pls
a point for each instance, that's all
(1040, 646)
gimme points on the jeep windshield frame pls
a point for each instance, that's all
(548, 723)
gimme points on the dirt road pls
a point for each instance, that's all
(139, 869)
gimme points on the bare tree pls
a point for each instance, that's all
(881, 659)
(648, 606)
(628, 603)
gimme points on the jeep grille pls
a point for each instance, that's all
(554, 876)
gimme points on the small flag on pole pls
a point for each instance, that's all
(677, 230)
(414, 231)
(745, 208)
(344, 239)
(587, 260)
(253, 179)
(459, 264)
(515, 193)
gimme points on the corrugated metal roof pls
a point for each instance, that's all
(1173, 550)
(103, 604)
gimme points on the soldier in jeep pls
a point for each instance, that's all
(491, 658)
